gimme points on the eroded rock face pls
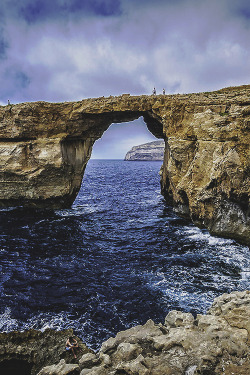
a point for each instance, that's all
(25, 353)
(212, 344)
(44, 149)
(206, 166)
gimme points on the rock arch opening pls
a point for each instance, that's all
(47, 148)
(76, 151)
(119, 138)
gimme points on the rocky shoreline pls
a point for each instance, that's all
(216, 343)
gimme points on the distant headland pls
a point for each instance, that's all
(151, 151)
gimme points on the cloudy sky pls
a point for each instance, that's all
(65, 50)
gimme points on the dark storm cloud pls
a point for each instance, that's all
(241, 8)
(13, 81)
(3, 46)
(3, 40)
(33, 11)
(21, 79)
(68, 50)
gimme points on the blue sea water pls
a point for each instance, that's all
(118, 257)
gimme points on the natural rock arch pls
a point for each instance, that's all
(44, 148)
(77, 152)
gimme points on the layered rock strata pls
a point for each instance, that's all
(146, 152)
(212, 344)
(25, 353)
(44, 149)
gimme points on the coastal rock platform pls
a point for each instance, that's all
(212, 344)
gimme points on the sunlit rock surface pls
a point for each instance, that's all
(147, 151)
(44, 149)
(216, 344)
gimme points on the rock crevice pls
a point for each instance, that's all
(25, 353)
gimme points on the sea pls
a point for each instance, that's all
(118, 257)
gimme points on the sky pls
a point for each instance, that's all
(67, 50)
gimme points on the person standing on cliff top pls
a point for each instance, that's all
(154, 91)
(163, 91)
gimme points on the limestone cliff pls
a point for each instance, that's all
(147, 151)
(44, 149)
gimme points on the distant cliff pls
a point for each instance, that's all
(147, 151)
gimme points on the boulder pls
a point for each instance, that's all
(60, 369)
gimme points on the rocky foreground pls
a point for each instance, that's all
(151, 151)
(216, 343)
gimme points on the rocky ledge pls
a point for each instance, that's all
(146, 152)
(216, 343)
(25, 353)
(212, 344)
